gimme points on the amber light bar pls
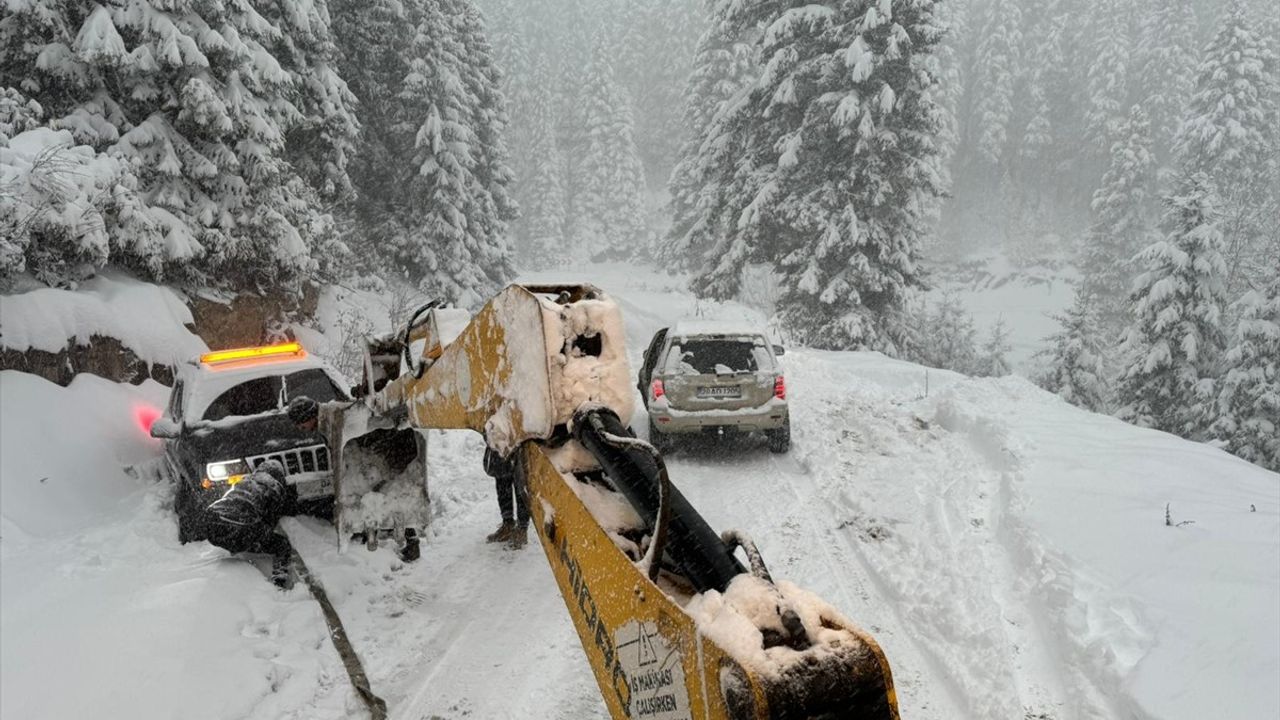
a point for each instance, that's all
(220, 356)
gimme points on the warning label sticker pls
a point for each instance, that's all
(654, 672)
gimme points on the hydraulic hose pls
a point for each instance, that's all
(691, 545)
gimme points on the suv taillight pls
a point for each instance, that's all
(779, 388)
(656, 390)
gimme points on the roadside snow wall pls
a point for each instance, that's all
(114, 326)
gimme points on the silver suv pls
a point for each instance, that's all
(715, 378)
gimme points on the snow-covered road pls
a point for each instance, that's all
(1007, 550)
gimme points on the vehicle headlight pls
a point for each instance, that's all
(228, 471)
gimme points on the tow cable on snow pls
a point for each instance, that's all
(338, 634)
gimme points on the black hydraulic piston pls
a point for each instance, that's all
(692, 546)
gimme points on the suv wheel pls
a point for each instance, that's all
(780, 439)
(659, 439)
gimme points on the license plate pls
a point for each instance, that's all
(720, 391)
(310, 489)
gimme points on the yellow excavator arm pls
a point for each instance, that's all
(674, 624)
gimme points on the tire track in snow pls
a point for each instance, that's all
(783, 502)
(471, 630)
(1043, 597)
(920, 674)
(911, 496)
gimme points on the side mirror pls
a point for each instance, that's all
(779, 350)
(165, 429)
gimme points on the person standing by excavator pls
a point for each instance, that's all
(513, 501)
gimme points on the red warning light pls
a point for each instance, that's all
(145, 415)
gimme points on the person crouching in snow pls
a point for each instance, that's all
(244, 519)
(514, 529)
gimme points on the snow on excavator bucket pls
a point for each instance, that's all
(380, 461)
(380, 487)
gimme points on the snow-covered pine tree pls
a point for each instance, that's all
(609, 206)
(1075, 367)
(953, 60)
(1038, 135)
(839, 166)
(948, 340)
(189, 96)
(1040, 50)
(567, 28)
(1176, 341)
(373, 48)
(993, 358)
(322, 140)
(59, 201)
(320, 143)
(1122, 224)
(1060, 45)
(654, 48)
(1248, 411)
(723, 67)
(18, 114)
(509, 38)
(1108, 86)
(454, 241)
(1166, 66)
(996, 69)
(544, 241)
(1230, 133)
(490, 120)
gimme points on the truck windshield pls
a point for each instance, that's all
(251, 397)
(260, 395)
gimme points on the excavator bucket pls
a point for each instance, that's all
(380, 488)
(380, 462)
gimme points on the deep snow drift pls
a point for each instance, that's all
(1008, 551)
(147, 319)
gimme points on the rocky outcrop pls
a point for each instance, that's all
(234, 322)
(104, 356)
(249, 319)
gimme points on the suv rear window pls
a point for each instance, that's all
(711, 357)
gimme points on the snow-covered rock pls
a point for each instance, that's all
(149, 320)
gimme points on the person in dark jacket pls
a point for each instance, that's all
(244, 519)
(512, 495)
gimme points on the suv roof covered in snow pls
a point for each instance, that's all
(203, 381)
(692, 328)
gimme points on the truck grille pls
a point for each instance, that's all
(298, 460)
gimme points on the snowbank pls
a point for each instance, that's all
(1020, 543)
(1177, 617)
(102, 613)
(148, 319)
(62, 450)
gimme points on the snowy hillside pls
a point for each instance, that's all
(1009, 552)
